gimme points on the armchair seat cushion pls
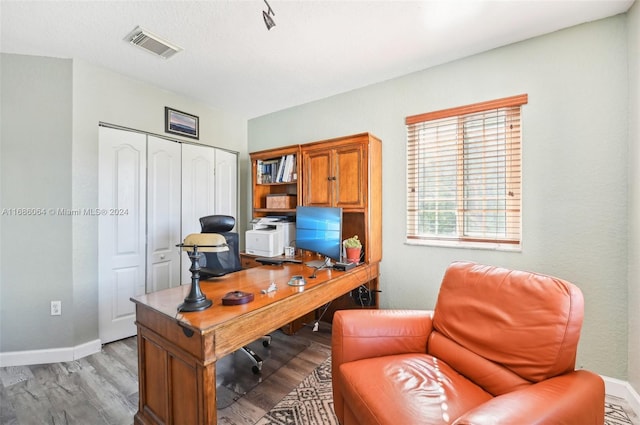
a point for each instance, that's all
(407, 389)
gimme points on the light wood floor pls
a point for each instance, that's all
(102, 389)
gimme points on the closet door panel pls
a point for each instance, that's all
(121, 235)
(226, 184)
(163, 213)
(198, 193)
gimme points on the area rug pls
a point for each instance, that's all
(310, 403)
(617, 411)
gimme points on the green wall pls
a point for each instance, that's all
(574, 173)
(36, 175)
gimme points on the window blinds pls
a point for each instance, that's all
(464, 173)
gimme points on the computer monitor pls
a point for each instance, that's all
(319, 229)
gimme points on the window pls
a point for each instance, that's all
(464, 175)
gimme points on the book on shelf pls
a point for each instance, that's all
(280, 169)
(288, 169)
(277, 170)
(266, 171)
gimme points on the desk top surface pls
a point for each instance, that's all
(252, 280)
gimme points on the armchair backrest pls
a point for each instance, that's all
(505, 329)
(221, 262)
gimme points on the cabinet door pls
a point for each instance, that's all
(335, 177)
(349, 177)
(318, 178)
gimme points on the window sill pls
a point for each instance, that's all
(466, 245)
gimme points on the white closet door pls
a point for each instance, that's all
(121, 230)
(226, 192)
(163, 213)
(198, 193)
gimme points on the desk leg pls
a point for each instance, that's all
(174, 387)
(208, 392)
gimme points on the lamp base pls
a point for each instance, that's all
(195, 305)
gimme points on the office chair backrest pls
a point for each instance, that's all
(221, 262)
(217, 223)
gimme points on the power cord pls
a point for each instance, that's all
(322, 267)
(316, 325)
(364, 296)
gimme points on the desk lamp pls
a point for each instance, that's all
(195, 244)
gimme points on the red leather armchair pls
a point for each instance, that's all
(499, 348)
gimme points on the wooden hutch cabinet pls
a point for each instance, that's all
(344, 172)
(347, 173)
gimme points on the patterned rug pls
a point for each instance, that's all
(618, 412)
(311, 403)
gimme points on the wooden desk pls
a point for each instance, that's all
(177, 352)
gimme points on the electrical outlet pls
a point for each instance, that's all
(56, 308)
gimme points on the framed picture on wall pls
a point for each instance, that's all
(178, 122)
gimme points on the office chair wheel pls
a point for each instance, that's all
(257, 367)
(266, 341)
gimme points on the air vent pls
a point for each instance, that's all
(152, 43)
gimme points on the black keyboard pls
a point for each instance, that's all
(276, 260)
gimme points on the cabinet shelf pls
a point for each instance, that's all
(295, 182)
(273, 210)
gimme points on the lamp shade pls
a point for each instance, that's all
(206, 242)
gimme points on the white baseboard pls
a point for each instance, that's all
(622, 389)
(50, 355)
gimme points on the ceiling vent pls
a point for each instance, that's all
(152, 43)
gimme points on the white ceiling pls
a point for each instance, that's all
(317, 49)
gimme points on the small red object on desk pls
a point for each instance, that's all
(237, 297)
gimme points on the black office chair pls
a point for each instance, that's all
(217, 264)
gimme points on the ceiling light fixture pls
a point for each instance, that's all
(268, 20)
(151, 43)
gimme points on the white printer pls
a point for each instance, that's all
(269, 235)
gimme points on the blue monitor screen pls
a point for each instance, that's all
(319, 229)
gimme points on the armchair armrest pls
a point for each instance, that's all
(359, 334)
(576, 398)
